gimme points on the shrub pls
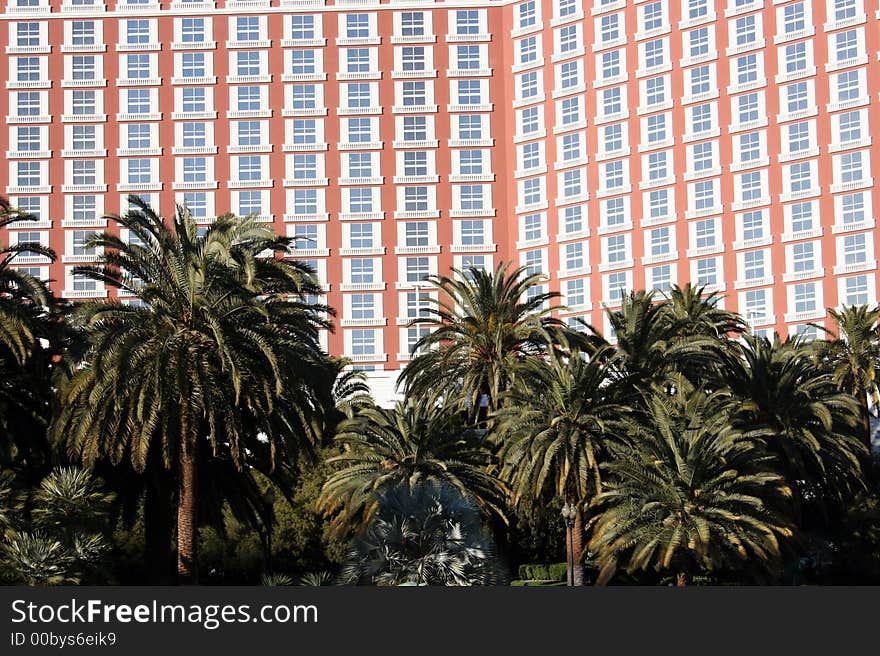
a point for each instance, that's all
(543, 572)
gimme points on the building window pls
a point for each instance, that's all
(805, 297)
(661, 278)
(572, 220)
(573, 256)
(302, 27)
(856, 290)
(363, 342)
(417, 269)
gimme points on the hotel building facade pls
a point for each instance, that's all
(612, 145)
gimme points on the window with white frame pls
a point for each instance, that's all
(303, 27)
(659, 241)
(363, 342)
(659, 204)
(847, 45)
(746, 30)
(417, 269)
(700, 42)
(857, 290)
(616, 249)
(656, 128)
(803, 257)
(609, 29)
(660, 277)
(653, 54)
(532, 227)
(754, 306)
(572, 220)
(526, 14)
(848, 86)
(528, 49)
(654, 90)
(617, 285)
(852, 209)
(855, 249)
(573, 256)
(412, 24)
(707, 272)
(804, 297)
(615, 212)
(800, 176)
(615, 174)
(613, 101)
(706, 235)
(795, 18)
(753, 225)
(852, 168)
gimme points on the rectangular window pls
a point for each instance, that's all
(707, 272)
(195, 169)
(194, 99)
(363, 342)
(573, 256)
(856, 290)
(805, 297)
(302, 27)
(572, 219)
(468, 21)
(803, 257)
(753, 225)
(362, 271)
(139, 136)
(417, 269)
(247, 28)
(415, 199)
(855, 249)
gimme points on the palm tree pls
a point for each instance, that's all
(779, 387)
(65, 538)
(657, 353)
(426, 534)
(23, 298)
(413, 442)
(26, 325)
(698, 313)
(689, 493)
(217, 358)
(854, 355)
(553, 429)
(486, 324)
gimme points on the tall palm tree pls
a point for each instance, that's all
(553, 430)
(217, 359)
(412, 442)
(486, 324)
(812, 426)
(689, 493)
(854, 355)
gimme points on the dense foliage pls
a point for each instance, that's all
(202, 423)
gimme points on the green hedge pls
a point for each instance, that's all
(543, 572)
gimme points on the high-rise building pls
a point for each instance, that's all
(612, 145)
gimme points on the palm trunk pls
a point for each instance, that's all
(577, 547)
(187, 504)
(682, 579)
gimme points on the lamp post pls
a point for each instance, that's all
(568, 514)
